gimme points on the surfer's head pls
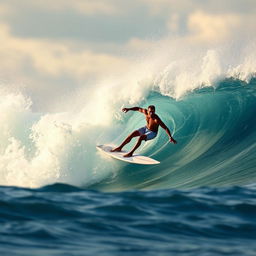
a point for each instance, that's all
(151, 110)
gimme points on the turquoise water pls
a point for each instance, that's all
(59, 196)
(216, 133)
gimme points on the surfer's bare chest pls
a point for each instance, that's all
(152, 123)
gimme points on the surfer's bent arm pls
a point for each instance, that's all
(142, 110)
(162, 124)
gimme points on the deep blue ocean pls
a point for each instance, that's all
(65, 220)
(201, 199)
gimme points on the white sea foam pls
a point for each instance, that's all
(39, 149)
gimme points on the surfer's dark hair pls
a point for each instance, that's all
(152, 107)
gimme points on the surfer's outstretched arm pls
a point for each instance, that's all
(142, 110)
(162, 124)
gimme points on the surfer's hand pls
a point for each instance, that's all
(172, 140)
(125, 110)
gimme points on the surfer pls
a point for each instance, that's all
(147, 132)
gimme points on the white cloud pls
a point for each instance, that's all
(54, 58)
(209, 27)
(173, 23)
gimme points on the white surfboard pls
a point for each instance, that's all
(135, 159)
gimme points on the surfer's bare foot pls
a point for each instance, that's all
(118, 149)
(128, 155)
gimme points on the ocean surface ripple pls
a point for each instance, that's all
(64, 220)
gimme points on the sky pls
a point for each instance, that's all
(52, 49)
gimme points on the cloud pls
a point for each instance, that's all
(4, 9)
(62, 43)
(210, 6)
(168, 6)
(47, 70)
(81, 6)
(173, 23)
(54, 58)
(91, 7)
(209, 27)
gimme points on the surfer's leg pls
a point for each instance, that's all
(127, 140)
(141, 138)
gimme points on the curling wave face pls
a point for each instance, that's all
(215, 130)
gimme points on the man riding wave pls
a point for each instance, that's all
(147, 132)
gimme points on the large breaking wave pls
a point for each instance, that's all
(215, 130)
(209, 109)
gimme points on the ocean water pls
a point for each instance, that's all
(60, 196)
(65, 220)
